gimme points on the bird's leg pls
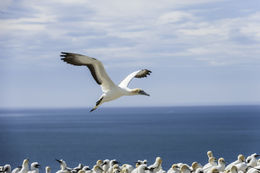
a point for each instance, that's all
(97, 104)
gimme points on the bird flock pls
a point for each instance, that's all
(242, 165)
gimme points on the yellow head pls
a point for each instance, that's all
(210, 154)
(221, 160)
(174, 166)
(241, 157)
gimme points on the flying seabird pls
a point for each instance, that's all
(111, 91)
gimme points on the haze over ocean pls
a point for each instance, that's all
(177, 134)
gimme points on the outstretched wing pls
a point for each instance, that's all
(95, 66)
(137, 74)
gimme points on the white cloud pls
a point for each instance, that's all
(134, 29)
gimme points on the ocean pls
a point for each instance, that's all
(176, 134)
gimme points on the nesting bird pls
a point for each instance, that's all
(241, 165)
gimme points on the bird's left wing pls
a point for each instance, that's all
(95, 66)
(137, 74)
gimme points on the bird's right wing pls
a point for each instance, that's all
(95, 66)
(137, 74)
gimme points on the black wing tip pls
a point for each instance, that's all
(148, 71)
(143, 73)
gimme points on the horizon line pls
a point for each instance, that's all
(111, 107)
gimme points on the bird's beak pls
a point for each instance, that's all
(143, 93)
(37, 166)
(146, 168)
(58, 160)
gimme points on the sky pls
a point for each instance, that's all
(203, 52)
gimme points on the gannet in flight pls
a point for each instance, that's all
(110, 90)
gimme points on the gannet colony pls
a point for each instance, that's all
(249, 165)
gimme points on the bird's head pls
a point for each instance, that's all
(47, 169)
(241, 157)
(210, 154)
(139, 91)
(175, 166)
(221, 161)
(25, 162)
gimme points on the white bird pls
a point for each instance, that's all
(157, 166)
(63, 167)
(195, 166)
(97, 169)
(34, 167)
(111, 165)
(25, 166)
(252, 160)
(210, 164)
(110, 90)
(221, 165)
(7, 168)
(16, 170)
(47, 169)
(126, 168)
(240, 159)
(105, 165)
(185, 169)
(174, 169)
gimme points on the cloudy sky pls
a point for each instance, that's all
(203, 52)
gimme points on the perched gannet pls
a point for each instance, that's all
(16, 170)
(138, 163)
(76, 169)
(240, 159)
(156, 166)
(7, 168)
(34, 167)
(111, 165)
(221, 165)
(210, 164)
(110, 90)
(126, 168)
(185, 169)
(174, 169)
(97, 169)
(63, 167)
(47, 169)
(99, 163)
(210, 154)
(105, 165)
(252, 160)
(195, 166)
(25, 166)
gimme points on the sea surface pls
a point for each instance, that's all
(177, 134)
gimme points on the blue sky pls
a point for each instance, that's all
(203, 52)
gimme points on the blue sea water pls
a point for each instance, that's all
(177, 134)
